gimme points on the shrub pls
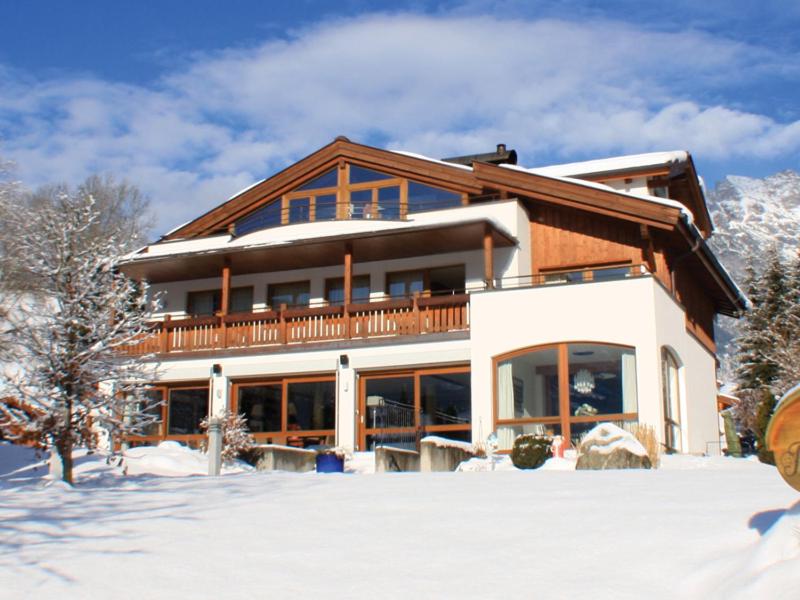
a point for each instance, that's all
(236, 438)
(531, 451)
(646, 436)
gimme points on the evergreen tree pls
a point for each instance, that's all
(764, 333)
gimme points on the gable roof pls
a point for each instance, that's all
(481, 178)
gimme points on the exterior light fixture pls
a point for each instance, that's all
(583, 382)
(344, 361)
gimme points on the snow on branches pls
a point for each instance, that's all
(66, 372)
(236, 438)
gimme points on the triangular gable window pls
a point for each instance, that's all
(268, 215)
(326, 180)
(364, 175)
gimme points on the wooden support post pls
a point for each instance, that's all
(563, 393)
(225, 303)
(282, 324)
(648, 251)
(417, 321)
(165, 334)
(348, 274)
(488, 257)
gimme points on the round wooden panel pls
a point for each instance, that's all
(783, 437)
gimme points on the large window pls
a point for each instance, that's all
(291, 294)
(436, 281)
(401, 407)
(187, 408)
(563, 389)
(209, 302)
(334, 290)
(352, 192)
(294, 412)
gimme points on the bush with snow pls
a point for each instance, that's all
(236, 438)
(531, 451)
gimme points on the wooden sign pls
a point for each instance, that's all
(783, 437)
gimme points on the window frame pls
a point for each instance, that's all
(426, 279)
(273, 307)
(416, 374)
(216, 300)
(285, 435)
(191, 439)
(565, 417)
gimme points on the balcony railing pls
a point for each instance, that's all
(387, 318)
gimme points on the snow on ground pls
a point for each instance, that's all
(697, 528)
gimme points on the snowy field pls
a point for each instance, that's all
(696, 528)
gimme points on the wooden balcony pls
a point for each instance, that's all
(286, 326)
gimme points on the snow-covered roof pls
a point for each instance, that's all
(495, 213)
(433, 160)
(616, 163)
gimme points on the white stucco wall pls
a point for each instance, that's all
(632, 312)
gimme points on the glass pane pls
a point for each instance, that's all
(186, 409)
(299, 210)
(241, 300)
(361, 204)
(335, 290)
(448, 280)
(527, 385)
(325, 207)
(266, 216)
(311, 405)
(405, 283)
(423, 197)
(459, 436)
(261, 406)
(326, 180)
(363, 175)
(290, 294)
(446, 399)
(151, 408)
(506, 434)
(405, 440)
(610, 274)
(602, 380)
(203, 303)
(390, 402)
(389, 202)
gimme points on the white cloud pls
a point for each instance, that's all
(440, 85)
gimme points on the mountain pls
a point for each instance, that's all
(749, 215)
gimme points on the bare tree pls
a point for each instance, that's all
(68, 332)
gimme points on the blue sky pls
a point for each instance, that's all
(193, 101)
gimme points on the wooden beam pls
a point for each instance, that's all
(563, 392)
(225, 303)
(488, 257)
(348, 274)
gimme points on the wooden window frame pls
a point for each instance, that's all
(306, 281)
(191, 439)
(284, 434)
(214, 291)
(426, 277)
(565, 418)
(329, 281)
(416, 374)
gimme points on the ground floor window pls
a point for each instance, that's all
(291, 411)
(563, 389)
(176, 412)
(400, 407)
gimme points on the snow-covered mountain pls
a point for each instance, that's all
(749, 215)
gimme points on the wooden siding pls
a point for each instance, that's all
(563, 238)
(699, 308)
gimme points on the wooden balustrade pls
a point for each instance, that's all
(407, 316)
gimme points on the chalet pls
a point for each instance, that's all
(362, 296)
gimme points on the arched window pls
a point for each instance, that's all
(563, 389)
(671, 397)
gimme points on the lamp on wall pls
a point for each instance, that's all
(216, 369)
(583, 382)
(344, 361)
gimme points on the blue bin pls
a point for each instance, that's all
(329, 463)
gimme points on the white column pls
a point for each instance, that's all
(219, 395)
(346, 408)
